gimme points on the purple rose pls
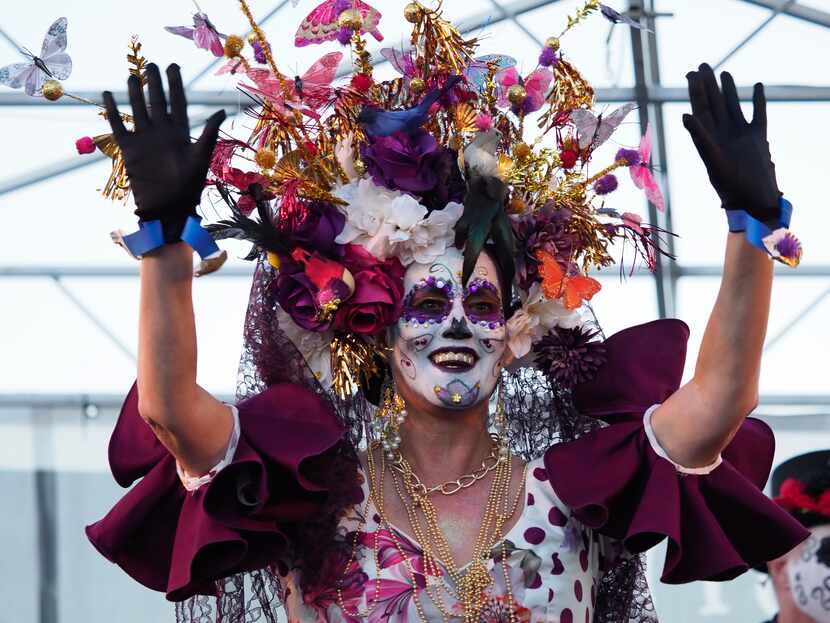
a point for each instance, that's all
(296, 294)
(378, 295)
(413, 163)
(321, 223)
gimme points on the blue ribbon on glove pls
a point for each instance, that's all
(779, 243)
(198, 237)
(150, 236)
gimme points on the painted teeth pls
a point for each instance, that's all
(453, 358)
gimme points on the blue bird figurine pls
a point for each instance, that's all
(379, 122)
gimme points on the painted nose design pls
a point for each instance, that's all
(458, 330)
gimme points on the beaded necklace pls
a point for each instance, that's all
(469, 583)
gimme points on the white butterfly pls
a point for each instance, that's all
(594, 130)
(53, 62)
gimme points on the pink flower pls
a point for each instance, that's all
(484, 121)
(85, 145)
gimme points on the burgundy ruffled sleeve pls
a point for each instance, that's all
(718, 525)
(180, 542)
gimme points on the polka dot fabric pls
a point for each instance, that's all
(554, 565)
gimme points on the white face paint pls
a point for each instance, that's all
(809, 575)
(450, 339)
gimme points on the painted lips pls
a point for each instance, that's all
(454, 359)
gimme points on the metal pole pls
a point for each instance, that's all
(646, 74)
(784, 6)
(46, 511)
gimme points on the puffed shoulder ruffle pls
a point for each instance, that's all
(181, 542)
(718, 525)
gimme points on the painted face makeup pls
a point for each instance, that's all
(449, 342)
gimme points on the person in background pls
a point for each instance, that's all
(801, 577)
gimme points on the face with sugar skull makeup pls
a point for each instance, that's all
(449, 343)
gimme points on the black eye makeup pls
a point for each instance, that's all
(482, 304)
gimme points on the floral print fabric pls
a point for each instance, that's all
(554, 564)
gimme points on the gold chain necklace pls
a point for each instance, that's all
(470, 583)
(454, 486)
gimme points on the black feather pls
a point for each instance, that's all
(485, 218)
(262, 233)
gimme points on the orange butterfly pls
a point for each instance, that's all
(556, 284)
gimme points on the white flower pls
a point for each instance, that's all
(390, 223)
(313, 346)
(534, 318)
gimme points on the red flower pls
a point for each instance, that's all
(568, 158)
(792, 497)
(378, 293)
(85, 145)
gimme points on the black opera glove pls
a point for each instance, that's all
(166, 170)
(736, 153)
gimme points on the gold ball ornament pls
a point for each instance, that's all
(417, 85)
(522, 150)
(412, 12)
(516, 206)
(52, 90)
(266, 158)
(517, 94)
(233, 46)
(552, 43)
(350, 18)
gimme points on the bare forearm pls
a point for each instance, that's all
(167, 333)
(729, 363)
(699, 419)
(189, 421)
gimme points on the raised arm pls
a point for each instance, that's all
(699, 420)
(167, 173)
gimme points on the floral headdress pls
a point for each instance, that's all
(341, 186)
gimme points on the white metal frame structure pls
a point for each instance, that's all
(647, 91)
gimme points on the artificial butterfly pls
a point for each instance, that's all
(313, 88)
(233, 66)
(402, 60)
(615, 17)
(536, 86)
(321, 24)
(52, 63)
(203, 33)
(593, 130)
(556, 284)
(641, 174)
(478, 69)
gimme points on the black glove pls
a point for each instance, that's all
(167, 172)
(736, 153)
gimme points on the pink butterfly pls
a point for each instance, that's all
(641, 174)
(402, 60)
(321, 24)
(233, 66)
(310, 90)
(203, 33)
(536, 85)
